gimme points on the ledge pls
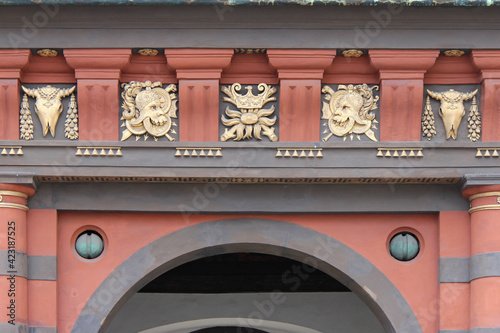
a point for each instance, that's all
(408, 3)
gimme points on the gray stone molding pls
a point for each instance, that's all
(19, 178)
(480, 179)
(453, 331)
(453, 270)
(484, 265)
(485, 330)
(218, 26)
(20, 264)
(441, 163)
(42, 268)
(17, 328)
(8, 328)
(31, 267)
(249, 235)
(234, 198)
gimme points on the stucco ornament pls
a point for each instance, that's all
(452, 109)
(148, 109)
(348, 111)
(252, 118)
(48, 105)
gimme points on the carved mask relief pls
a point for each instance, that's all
(148, 109)
(348, 111)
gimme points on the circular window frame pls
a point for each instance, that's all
(408, 230)
(82, 230)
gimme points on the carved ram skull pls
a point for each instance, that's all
(48, 105)
(452, 109)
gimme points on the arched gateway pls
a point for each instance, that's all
(249, 235)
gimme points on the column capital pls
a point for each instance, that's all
(11, 62)
(25, 179)
(300, 64)
(473, 181)
(488, 61)
(98, 64)
(403, 64)
(483, 192)
(199, 63)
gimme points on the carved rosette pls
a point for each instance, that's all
(348, 111)
(251, 119)
(48, 107)
(148, 109)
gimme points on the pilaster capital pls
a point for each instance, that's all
(97, 63)
(27, 180)
(483, 192)
(300, 64)
(488, 61)
(403, 64)
(12, 61)
(199, 63)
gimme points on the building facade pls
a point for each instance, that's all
(287, 166)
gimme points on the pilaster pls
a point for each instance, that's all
(485, 255)
(300, 73)
(488, 61)
(401, 97)
(98, 78)
(11, 64)
(13, 253)
(199, 73)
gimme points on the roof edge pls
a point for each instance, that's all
(407, 3)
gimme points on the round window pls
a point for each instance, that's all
(89, 244)
(404, 246)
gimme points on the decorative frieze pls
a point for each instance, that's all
(11, 151)
(348, 111)
(400, 152)
(99, 151)
(300, 152)
(487, 152)
(198, 152)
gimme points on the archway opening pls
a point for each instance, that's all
(261, 293)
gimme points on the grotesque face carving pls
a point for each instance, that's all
(452, 109)
(348, 110)
(48, 105)
(148, 109)
(153, 106)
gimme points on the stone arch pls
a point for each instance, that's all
(249, 235)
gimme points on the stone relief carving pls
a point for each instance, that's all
(451, 112)
(48, 107)
(252, 119)
(148, 110)
(348, 111)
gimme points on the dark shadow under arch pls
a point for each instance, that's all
(249, 235)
